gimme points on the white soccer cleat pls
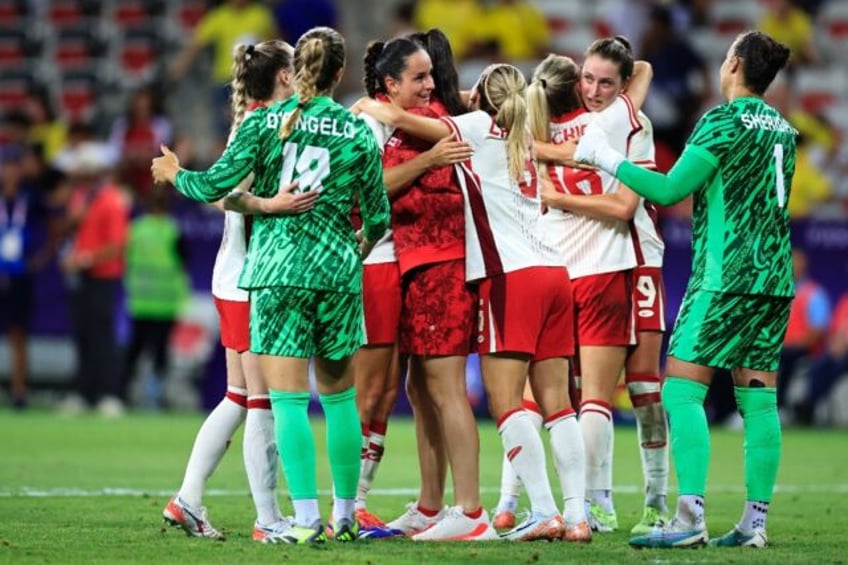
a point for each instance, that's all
(275, 533)
(737, 538)
(192, 520)
(457, 526)
(412, 521)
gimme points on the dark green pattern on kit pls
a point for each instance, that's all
(741, 222)
(317, 249)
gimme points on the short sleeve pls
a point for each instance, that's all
(471, 127)
(642, 151)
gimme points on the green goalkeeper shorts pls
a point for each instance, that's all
(299, 322)
(730, 331)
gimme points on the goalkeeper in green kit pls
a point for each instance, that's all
(304, 271)
(738, 164)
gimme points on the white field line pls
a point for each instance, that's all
(839, 489)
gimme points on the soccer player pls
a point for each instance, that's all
(262, 75)
(304, 271)
(599, 253)
(738, 163)
(551, 86)
(525, 308)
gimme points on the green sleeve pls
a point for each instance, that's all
(373, 199)
(692, 171)
(236, 163)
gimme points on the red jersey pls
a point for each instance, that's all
(427, 218)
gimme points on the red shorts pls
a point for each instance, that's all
(648, 299)
(527, 311)
(234, 317)
(438, 313)
(381, 303)
(603, 309)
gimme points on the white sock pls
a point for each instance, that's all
(261, 460)
(652, 432)
(343, 508)
(510, 483)
(525, 451)
(372, 454)
(211, 443)
(570, 462)
(596, 426)
(690, 509)
(306, 512)
(754, 517)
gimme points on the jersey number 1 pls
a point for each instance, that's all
(780, 183)
(309, 168)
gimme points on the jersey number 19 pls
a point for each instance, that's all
(309, 168)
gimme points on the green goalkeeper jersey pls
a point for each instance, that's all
(740, 224)
(331, 151)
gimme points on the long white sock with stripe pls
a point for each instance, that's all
(510, 483)
(525, 451)
(596, 426)
(652, 432)
(211, 443)
(570, 462)
(261, 460)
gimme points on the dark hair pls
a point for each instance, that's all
(386, 60)
(445, 76)
(318, 57)
(618, 50)
(762, 58)
(255, 69)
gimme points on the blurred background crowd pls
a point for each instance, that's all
(89, 89)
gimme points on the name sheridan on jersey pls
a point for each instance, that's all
(766, 122)
(313, 125)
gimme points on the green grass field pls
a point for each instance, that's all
(92, 490)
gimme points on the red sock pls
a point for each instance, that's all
(475, 515)
(427, 512)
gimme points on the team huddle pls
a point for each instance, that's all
(427, 223)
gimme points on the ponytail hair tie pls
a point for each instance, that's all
(544, 83)
(248, 53)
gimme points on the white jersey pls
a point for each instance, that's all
(231, 253)
(590, 246)
(384, 249)
(648, 243)
(501, 215)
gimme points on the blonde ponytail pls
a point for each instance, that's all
(503, 88)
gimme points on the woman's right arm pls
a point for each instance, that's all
(428, 129)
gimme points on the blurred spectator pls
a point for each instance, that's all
(628, 18)
(295, 17)
(157, 288)
(680, 86)
(403, 19)
(792, 26)
(826, 371)
(94, 266)
(456, 18)
(222, 28)
(808, 321)
(512, 30)
(46, 129)
(136, 137)
(20, 215)
(810, 186)
(16, 129)
(78, 134)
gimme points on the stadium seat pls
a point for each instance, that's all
(833, 21)
(730, 17)
(711, 44)
(78, 46)
(12, 50)
(563, 16)
(573, 42)
(15, 86)
(187, 13)
(12, 12)
(819, 88)
(77, 94)
(137, 55)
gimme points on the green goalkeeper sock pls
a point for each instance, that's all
(762, 440)
(683, 399)
(295, 442)
(344, 441)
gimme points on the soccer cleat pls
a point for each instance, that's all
(371, 527)
(737, 538)
(346, 530)
(412, 521)
(578, 533)
(600, 520)
(301, 535)
(455, 525)
(651, 518)
(535, 528)
(273, 533)
(504, 519)
(193, 521)
(674, 535)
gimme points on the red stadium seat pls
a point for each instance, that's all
(63, 13)
(129, 14)
(11, 53)
(819, 88)
(14, 92)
